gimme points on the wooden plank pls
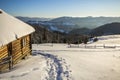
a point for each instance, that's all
(16, 48)
(3, 56)
(4, 67)
(5, 64)
(17, 45)
(18, 59)
(25, 47)
(17, 55)
(16, 52)
(3, 52)
(27, 52)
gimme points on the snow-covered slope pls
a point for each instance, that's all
(60, 62)
(111, 39)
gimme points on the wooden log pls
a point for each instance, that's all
(17, 56)
(4, 56)
(4, 67)
(5, 64)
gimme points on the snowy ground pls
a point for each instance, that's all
(59, 62)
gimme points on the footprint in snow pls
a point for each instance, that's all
(57, 67)
(14, 76)
(34, 69)
(24, 74)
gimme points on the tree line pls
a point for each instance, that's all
(43, 35)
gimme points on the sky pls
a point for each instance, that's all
(58, 8)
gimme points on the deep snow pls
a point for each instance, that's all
(59, 62)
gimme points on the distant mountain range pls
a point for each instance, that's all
(26, 19)
(107, 29)
(67, 24)
(42, 34)
(65, 29)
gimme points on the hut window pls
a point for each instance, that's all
(24, 42)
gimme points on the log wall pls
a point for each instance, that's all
(18, 49)
(26, 47)
(3, 55)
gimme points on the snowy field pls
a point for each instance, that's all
(61, 62)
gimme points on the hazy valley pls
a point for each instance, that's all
(61, 29)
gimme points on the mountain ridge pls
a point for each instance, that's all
(107, 29)
(67, 24)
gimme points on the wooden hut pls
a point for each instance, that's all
(15, 40)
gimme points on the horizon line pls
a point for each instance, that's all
(67, 16)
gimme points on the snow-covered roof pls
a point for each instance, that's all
(12, 28)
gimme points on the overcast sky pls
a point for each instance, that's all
(58, 8)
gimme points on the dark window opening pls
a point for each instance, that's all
(24, 42)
